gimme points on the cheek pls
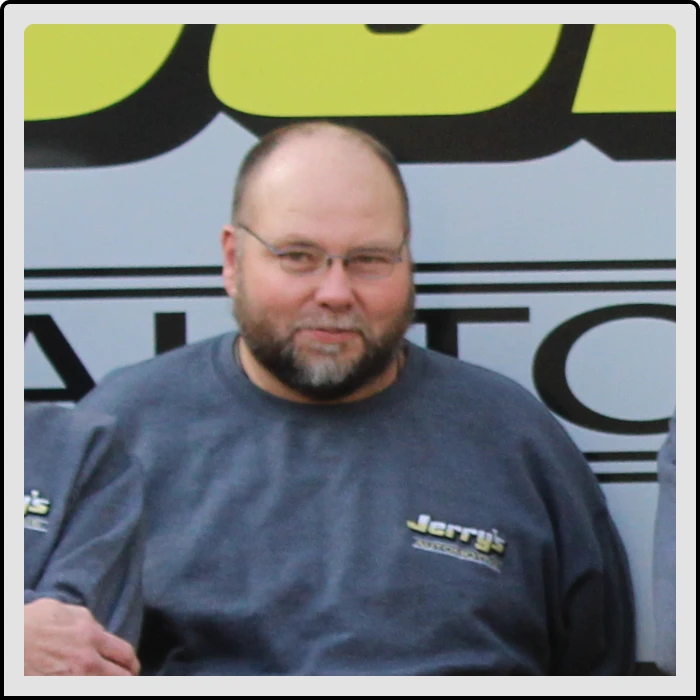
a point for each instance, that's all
(275, 296)
(384, 305)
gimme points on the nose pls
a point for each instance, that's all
(334, 288)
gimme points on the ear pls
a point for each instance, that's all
(228, 247)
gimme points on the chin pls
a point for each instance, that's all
(325, 371)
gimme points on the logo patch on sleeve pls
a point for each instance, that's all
(36, 510)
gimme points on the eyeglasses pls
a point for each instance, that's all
(309, 259)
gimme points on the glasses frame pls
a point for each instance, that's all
(397, 257)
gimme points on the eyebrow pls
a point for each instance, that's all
(292, 242)
(301, 241)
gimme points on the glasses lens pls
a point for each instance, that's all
(301, 261)
(371, 265)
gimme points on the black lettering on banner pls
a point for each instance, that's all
(549, 369)
(441, 324)
(392, 28)
(62, 357)
(178, 102)
(169, 330)
(174, 106)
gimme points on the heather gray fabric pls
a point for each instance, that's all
(665, 556)
(83, 541)
(446, 525)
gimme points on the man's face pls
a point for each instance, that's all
(327, 335)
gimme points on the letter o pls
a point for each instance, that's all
(549, 369)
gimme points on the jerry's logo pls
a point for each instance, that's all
(36, 508)
(466, 543)
(433, 93)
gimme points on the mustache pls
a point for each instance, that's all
(331, 323)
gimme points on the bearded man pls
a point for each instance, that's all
(324, 497)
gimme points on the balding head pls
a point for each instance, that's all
(307, 138)
(319, 192)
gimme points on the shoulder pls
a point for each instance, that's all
(154, 381)
(51, 427)
(667, 456)
(489, 407)
(46, 415)
(65, 448)
(462, 385)
(162, 366)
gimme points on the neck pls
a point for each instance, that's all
(266, 381)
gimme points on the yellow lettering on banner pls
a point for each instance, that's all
(297, 70)
(74, 69)
(629, 68)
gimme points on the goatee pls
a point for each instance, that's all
(325, 377)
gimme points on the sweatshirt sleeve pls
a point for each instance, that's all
(594, 625)
(664, 561)
(598, 607)
(97, 557)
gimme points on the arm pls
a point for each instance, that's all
(593, 619)
(664, 561)
(599, 634)
(94, 530)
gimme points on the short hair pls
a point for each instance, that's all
(273, 139)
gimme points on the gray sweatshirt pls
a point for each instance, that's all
(83, 541)
(664, 567)
(446, 525)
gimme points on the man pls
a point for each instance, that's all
(82, 545)
(665, 556)
(326, 498)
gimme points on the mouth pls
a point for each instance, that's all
(330, 335)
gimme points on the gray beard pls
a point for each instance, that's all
(325, 379)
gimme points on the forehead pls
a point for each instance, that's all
(321, 183)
